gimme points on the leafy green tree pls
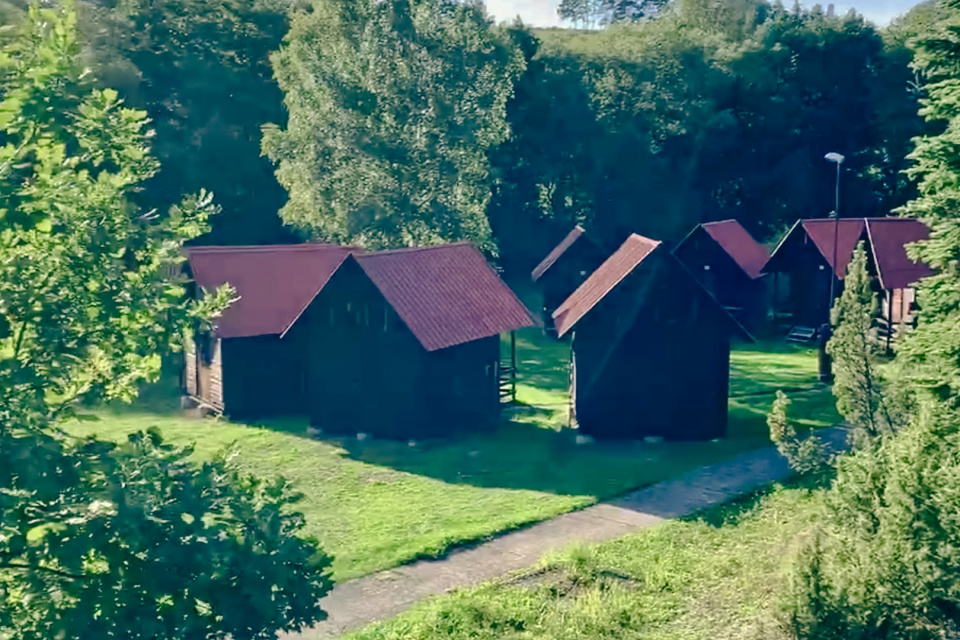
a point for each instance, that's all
(201, 71)
(582, 13)
(99, 540)
(392, 109)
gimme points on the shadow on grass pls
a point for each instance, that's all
(532, 449)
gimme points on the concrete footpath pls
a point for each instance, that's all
(382, 595)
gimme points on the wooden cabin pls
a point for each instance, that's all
(565, 268)
(242, 368)
(729, 262)
(406, 344)
(802, 266)
(651, 348)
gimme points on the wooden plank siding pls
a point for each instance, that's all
(209, 371)
(668, 373)
(190, 368)
(746, 298)
(368, 373)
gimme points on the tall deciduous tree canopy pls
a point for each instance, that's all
(99, 540)
(201, 71)
(392, 109)
(711, 111)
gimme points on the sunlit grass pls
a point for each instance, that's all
(376, 504)
(719, 577)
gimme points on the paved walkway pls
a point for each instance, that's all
(379, 596)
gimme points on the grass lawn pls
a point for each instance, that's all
(719, 577)
(377, 504)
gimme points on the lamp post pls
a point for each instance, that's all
(826, 373)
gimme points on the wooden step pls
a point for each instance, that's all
(802, 335)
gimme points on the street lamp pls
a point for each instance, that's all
(835, 157)
(826, 372)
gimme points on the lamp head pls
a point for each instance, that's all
(834, 157)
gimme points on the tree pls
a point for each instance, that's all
(201, 71)
(806, 455)
(584, 14)
(392, 109)
(892, 569)
(625, 10)
(99, 540)
(932, 351)
(858, 387)
(713, 110)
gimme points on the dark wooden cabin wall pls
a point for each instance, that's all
(364, 365)
(809, 287)
(263, 377)
(667, 376)
(725, 280)
(462, 387)
(367, 373)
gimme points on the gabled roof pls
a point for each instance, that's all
(446, 295)
(847, 232)
(272, 282)
(602, 281)
(889, 238)
(737, 242)
(576, 235)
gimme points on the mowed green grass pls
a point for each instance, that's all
(377, 504)
(719, 577)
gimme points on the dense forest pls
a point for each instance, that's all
(708, 110)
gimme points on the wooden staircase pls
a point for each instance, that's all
(802, 335)
(508, 383)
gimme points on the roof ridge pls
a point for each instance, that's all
(615, 283)
(458, 243)
(258, 248)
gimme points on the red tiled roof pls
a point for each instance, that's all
(749, 254)
(848, 232)
(617, 267)
(273, 282)
(888, 240)
(446, 295)
(558, 251)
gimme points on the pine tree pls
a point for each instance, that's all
(857, 386)
(931, 353)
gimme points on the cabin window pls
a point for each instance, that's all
(386, 318)
(353, 315)
(366, 315)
